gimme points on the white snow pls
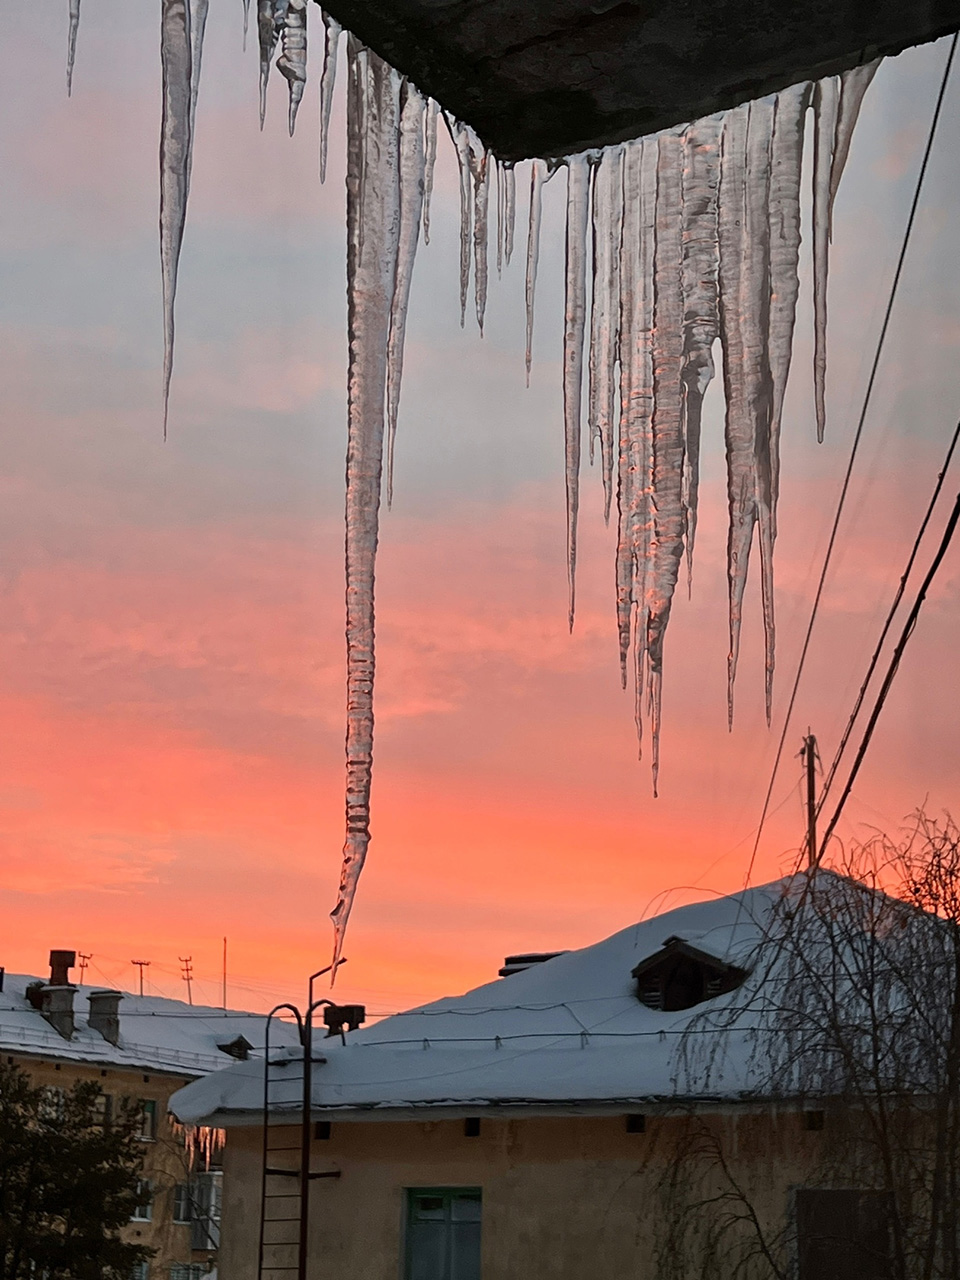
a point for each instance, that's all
(156, 1034)
(569, 1032)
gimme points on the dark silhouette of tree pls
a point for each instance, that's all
(70, 1178)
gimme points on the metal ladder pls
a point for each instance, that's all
(285, 1187)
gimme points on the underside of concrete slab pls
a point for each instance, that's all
(537, 78)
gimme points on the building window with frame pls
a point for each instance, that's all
(102, 1110)
(144, 1209)
(188, 1271)
(442, 1233)
(148, 1120)
(140, 1271)
(843, 1234)
(182, 1203)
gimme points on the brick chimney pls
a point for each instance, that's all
(104, 1014)
(61, 962)
(56, 1005)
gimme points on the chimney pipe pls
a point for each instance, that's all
(61, 962)
(56, 1005)
(104, 1014)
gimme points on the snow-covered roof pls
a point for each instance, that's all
(156, 1034)
(567, 1032)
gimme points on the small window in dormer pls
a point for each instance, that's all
(681, 976)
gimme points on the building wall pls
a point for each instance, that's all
(165, 1159)
(563, 1198)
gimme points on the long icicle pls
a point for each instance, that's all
(575, 306)
(198, 26)
(509, 211)
(740, 432)
(72, 42)
(411, 208)
(480, 161)
(853, 85)
(373, 198)
(667, 507)
(538, 171)
(328, 79)
(825, 101)
(175, 156)
(292, 63)
(757, 305)
(701, 320)
(461, 142)
(607, 216)
(246, 22)
(629, 463)
(270, 20)
(429, 163)
(785, 173)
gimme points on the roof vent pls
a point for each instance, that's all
(681, 976)
(104, 1015)
(238, 1048)
(517, 964)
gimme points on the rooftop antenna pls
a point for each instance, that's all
(809, 754)
(141, 965)
(85, 958)
(224, 973)
(187, 963)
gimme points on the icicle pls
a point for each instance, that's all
(785, 172)
(72, 42)
(292, 63)
(604, 317)
(636, 403)
(271, 15)
(461, 141)
(411, 207)
(498, 167)
(853, 85)
(175, 157)
(429, 164)
(701, 321)
(480, 171)
(373, 200)
(538, 172)
(744, 315)
(825, 101)
(575, 303)
(667, 509)
(509, 211)
(328, 77)
(246, 22)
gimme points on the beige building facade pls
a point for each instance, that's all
(554, 1197)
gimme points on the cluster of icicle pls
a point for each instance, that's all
(202, 1144)
(672, 242)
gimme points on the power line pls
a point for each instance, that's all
(855, 446)
(894, 666)
(888, 622)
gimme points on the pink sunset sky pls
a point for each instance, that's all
(171, 631)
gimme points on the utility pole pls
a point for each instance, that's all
(224, 973)
(141, 965)
(187, 963)
(85, 958)
(809, 754)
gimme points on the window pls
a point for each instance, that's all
(188, 1271)
(843, 1235)
(102, 1110)
(182, 1208)
(148, 1120)
(443, 1234)
(140, 1271)
(144, 1210)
